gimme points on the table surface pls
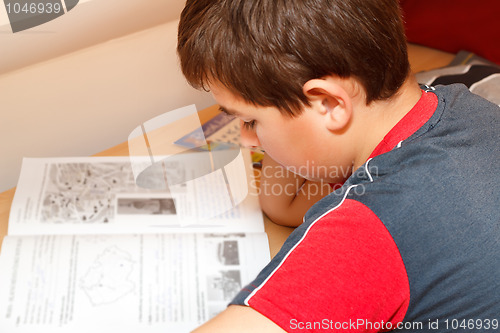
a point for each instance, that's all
(421, 58)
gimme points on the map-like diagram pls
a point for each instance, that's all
(85, 192)
(108, 279)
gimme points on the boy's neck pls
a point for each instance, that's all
(378, 118)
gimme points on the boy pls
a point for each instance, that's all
(410, 241)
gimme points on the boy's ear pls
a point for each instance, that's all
(329, 97)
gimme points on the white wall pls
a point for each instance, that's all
(91, 22)
(89, 100)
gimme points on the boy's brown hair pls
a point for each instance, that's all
(266, 50)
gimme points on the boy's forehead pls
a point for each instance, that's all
(234, 105)
(228, 102)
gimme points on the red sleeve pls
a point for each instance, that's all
(347, 269)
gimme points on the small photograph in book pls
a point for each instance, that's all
(146, 206)
(223, 285)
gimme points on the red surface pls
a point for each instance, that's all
(454, 25)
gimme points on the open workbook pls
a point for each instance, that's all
(88, 250)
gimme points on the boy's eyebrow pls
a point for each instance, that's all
(228, 112)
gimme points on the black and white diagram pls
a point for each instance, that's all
(107, 280)
(85, 192)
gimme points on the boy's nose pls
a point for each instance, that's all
(248, 137)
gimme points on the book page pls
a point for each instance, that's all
(100, 195)
(128, 283)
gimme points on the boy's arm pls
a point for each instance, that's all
(284, 196)
(241, 319)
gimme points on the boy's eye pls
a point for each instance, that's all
(249, 125)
